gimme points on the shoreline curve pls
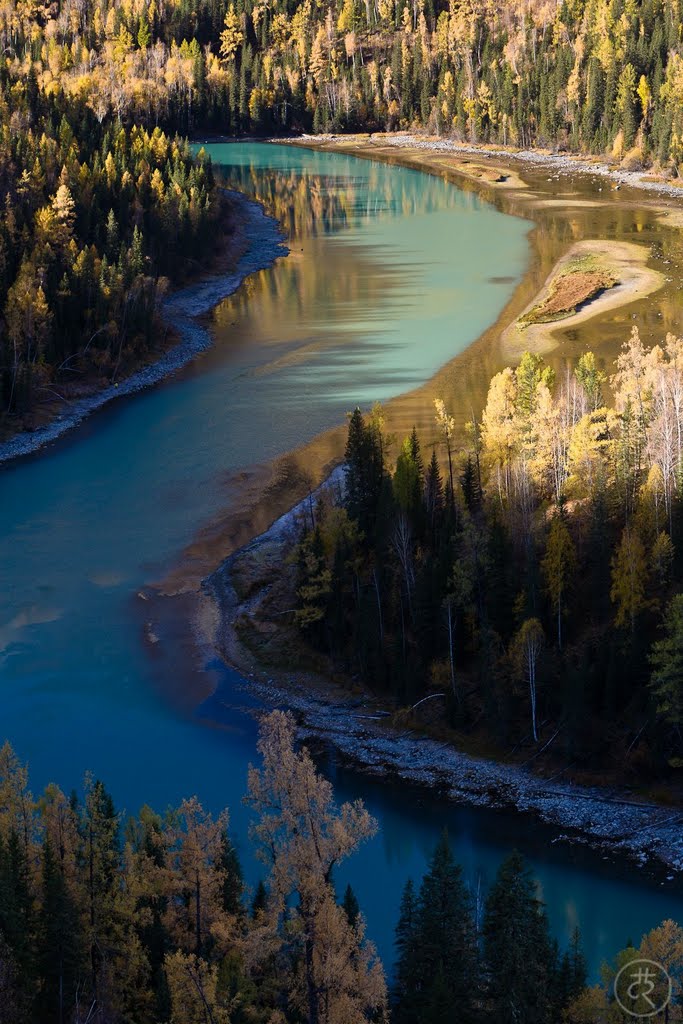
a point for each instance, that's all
(181, 310)
(358, 725)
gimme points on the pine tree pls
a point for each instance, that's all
(59, 943)
(518, 952)
(350, 906)
(406, 992)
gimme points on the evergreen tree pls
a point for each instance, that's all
(101, 853)
(17, 919)
(572, 975)
(351, 907)
(260, 900)
(445, 950)
(59, 943)
(233, 883)
(434, 496)
(406, 993)
(518, 953)
(666, 682)
(364, 466)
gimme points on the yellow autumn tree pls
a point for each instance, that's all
(231, 36)
(630, 573)
(499, 433)
(192, 986)
(302, 836)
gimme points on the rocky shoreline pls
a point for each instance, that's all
(554, 162)
(646, 832)
(360, 730)
(264, 243)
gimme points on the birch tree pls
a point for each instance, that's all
(526, 651)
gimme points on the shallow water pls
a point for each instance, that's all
(391, 274)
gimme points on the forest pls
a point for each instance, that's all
(95, 219)
(148, 920)
(527, 579)
(94, 223)
(594, 75)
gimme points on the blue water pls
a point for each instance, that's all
(389, 277)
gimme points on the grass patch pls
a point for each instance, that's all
(579, 281)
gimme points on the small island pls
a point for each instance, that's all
(593, 277)
(579, 281)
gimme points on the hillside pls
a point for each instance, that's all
(593, 75)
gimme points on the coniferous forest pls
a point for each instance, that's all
(95, 220)
(589, 74)
(531, 587)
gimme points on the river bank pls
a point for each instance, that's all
(257, 243)
(359, 727)
(556, 215)
(488, 156)
(530, 183)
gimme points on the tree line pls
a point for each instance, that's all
(148, 921)
(527, 577)
(594, 75)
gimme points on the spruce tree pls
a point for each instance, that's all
(434, 497)
(59, 943)
(406, 995)
(16, 905)
(446, 940)
(233, 884)
(520, 961)
(13, 1005)
(101, 853)
(259, 901)
(572, 975)
(350, 905)
(437, 967)
(364, 463)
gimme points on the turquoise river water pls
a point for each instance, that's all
(391, 274)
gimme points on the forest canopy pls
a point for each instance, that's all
(528, 574)
(586, 74)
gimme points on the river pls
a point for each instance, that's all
(391, 274)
